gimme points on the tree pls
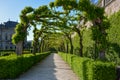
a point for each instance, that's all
(100, 24)
(29, 17)
(66, 29)
(94, 14)
(21, 30)
(69, 7)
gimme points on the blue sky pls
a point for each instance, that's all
(10, 9)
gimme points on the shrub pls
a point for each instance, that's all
(103, 71)
(26, 52)
(12, 66)
(6, 53)
(88, 69)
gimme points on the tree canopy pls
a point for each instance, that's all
(72, 18)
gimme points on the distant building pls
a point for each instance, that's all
(6, 32)
(111, 6)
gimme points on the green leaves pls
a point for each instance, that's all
(103, 71)
(91, 11)
(51, 4)
(66, 4)
(84, 5)
(58, 2)
(30, 16)
(20, 34)
(21, 28)
(26, 10)
(41, 9)
(114, 30)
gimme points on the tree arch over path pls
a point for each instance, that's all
(68, 18)
(29, 17)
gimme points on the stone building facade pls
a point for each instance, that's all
(111, 6)
(6, 32)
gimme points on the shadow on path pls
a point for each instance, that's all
(52, 68)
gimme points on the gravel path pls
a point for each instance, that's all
(52, 68)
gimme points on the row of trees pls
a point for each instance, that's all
(61, 19)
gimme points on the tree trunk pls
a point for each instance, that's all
(102, 54)
(80, 43)
(42, 47)
(67, 47)
(45, 47)
(102, 39)
(39, 46)
(63, 47)
(71, 45)
(34, 47)
(19, 48)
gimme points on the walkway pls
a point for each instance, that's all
(52, 68)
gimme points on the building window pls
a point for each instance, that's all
(6, 37)
(11, 37)
(6, 47)
(10, 47)
(0, 37)
(0, 46)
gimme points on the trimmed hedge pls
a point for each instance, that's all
(6, 53)
(12, 66)
(88, 69)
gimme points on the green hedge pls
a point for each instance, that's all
(12, 66)
(88, 69)
(6, 53)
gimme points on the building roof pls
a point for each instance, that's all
(9, 24)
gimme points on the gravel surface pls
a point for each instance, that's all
(51, 68)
